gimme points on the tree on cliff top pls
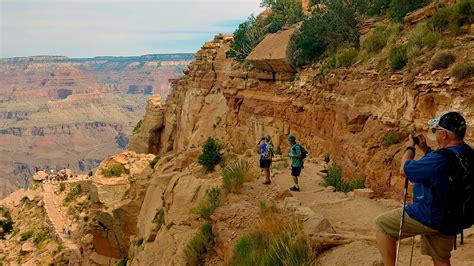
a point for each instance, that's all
(330, 26)
(249, 33)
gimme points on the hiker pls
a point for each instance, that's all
(296, 156)
(266, 153)
(425, 215)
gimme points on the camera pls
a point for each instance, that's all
(416, 140)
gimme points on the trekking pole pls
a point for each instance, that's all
(412, 247)
(402, 218)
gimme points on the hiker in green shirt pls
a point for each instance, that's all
(296, 156)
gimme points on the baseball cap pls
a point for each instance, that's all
(452, 121)
(291, 138)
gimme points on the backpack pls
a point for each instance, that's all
(459, 207)
(269, 152)
(304, 152)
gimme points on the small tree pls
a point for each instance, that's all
(211, 154)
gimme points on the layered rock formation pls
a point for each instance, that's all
(347, 114)
(58, 112)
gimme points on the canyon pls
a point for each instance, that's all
(58, 112)
(147, 205)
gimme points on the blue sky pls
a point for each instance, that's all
(86, 28)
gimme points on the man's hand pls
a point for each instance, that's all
(423, 146)
(410, 142)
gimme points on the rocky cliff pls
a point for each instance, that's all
(52, 108)
(347, 113)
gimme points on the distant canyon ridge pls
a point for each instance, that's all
(58, 112)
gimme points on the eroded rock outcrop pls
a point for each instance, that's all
(167, 219)
(118, 199)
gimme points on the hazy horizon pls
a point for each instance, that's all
(86, 29)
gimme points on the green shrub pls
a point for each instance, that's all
(212, 200)
(331, 27)
(40, 236)
(442, 59)
(27, 203)
(399, 8)
(159, 219)
(246, 37)
(138, 126)
(430, 39)
(138, 242)
(60, 248)
(463, 70)
(274, 241)
(122, 262)
(440, 20)
(284, 13)
(398, 57)
(198, 245)
(62, 187)
(453, 17)
(154, 161)
(7, 225)
(346, 57)
(334, 178)
(376, 41)
(234, 175)
(26, 235)
(391, 138)
(446, 44)
(73, 193)
(327, 158)
(211, 155)
(116, 170)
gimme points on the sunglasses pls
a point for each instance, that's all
(434, 129)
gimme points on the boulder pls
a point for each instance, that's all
(420, 14)
(291, 203)
(27, 247)
(364, 193)
(273, 53)
(316, 223)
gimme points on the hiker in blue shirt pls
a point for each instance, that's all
(296, 156)
(266, 153)
(429, 175)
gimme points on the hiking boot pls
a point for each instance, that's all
(267, 182)
(294, 188)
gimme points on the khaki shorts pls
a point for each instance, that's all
(433, 243)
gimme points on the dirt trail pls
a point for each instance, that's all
(51, 205)
(353, 218)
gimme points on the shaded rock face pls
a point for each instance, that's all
(347, 114)
(176, 187)
(147, 140)
(117, 201)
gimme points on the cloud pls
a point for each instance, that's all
(90, 28)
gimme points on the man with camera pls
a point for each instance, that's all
(429, 175)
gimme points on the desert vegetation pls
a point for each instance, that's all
(275, 240)
(211, 154)
(334, 178)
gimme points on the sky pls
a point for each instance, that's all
(87, 28)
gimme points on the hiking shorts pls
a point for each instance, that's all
(433, 243)
(295, 171)
(265, 163)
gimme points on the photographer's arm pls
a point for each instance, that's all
(409, 154)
